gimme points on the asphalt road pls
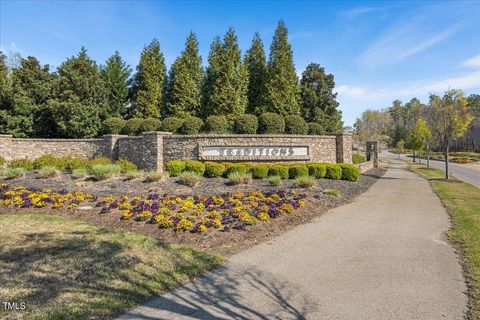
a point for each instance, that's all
(384, 256)
(469, 173)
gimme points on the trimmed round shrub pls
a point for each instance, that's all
(213, 169)
(245, 124)
(239, 168)
(315, 129)
(358, 158)
(259, 171)
(133, 126)
(349, 172)
(191, 125)
(216, 124)
(150, 124)
(278, 170)
(195, 166)
(113, 125)
(24, 163)
(171, 124)
(271, 123)
(317, 170)
(297, 170)
(175, 167)
(334, 171)
(295, 124)
(126, 165)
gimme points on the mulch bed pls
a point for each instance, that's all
(214, 241)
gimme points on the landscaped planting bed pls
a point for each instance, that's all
(211, 213)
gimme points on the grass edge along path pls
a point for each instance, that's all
(66, 269)
(462, 201)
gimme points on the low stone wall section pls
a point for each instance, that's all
(152, 150)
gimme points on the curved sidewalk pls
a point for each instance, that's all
(384, 256)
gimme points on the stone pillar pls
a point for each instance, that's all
(6, 146)
(153, 150)
(344, 148)
(372, 152)
(111, 145)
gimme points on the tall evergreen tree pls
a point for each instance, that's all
(183, 94)
(116, 74)
(81, 98)
(226, 83)
(149, 83)
(4, 82)
(257, 72)
(31, 88)
(282, 94)
(319, 102)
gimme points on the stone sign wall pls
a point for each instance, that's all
(153, 149)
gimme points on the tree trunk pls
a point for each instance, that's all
(428, 156)
(446, 159)
(420, 154)
(413, 155)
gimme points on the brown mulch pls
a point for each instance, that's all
(214, 241)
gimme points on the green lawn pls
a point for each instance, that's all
(70, 270)
(462, 201)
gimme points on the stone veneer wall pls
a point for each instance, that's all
(153, 149)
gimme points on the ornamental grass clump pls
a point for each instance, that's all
(134, 174)
(46, 172)
(14, 173)
(154, 176)
(213, 169)
(305, 182)
(189, 178)
(126, 165)
(275, 180)
(48, 160)
(236, 178)
(332, 192)
(24, 163)
(259, 171)
(102, 172)
(79, 173)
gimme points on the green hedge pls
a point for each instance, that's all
(171, 124)
(216, 124)
(315, 129)
(297, 170)
(195, 166)
(113, 125)
(317, 170)
(245, 124)
(213, 169)
(175, 167)
(279, 170)
(294, 124)
(259, 171)
(334, 171)
(150, 124)
(191, 125)
(271, 123)
(133, 127)
(358, 158)
(240, 168)
(349, 172)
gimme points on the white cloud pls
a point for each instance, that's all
(403, 40)
(360, 11)
(473, 62)
(409, 88)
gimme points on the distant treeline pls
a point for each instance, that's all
(83, 99)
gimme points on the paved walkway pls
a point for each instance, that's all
(384, 256)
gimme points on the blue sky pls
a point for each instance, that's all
(378, 51)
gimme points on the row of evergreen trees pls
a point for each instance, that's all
(74, 101)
